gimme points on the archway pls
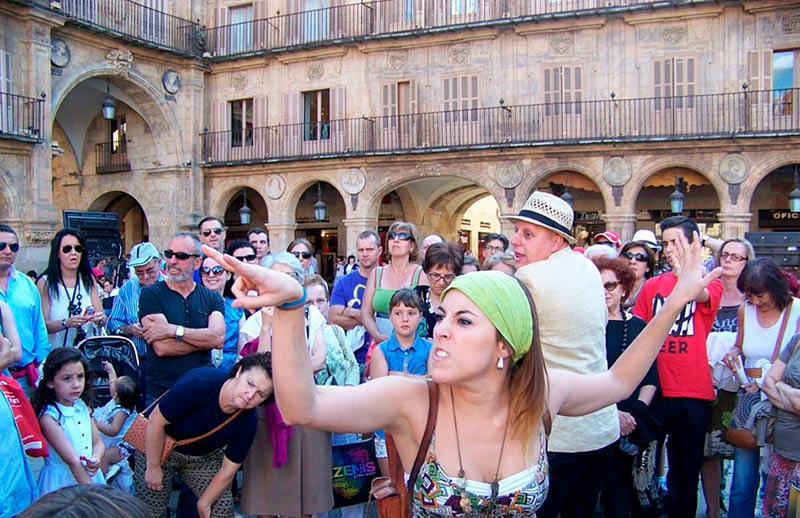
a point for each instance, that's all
(770, 201)
(259, 215)
(323, 229)
(134, 227)
(586, 198)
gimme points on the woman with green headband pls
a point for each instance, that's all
(487, 453)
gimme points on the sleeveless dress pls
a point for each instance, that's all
(76, 423)
(382, 297)
(438, 494)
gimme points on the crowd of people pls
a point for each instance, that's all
(619, 396)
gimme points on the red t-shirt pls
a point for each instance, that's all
(683, 361)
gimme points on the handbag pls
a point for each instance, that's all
(25, 418)
(392, 497)
(355, 465)
(135, 436)
(737, 434)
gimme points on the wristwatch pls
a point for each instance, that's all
(63, 323)
(179, 332)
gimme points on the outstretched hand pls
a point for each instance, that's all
(273, 287)
(692, 278)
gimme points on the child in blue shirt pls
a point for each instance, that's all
(404, 352)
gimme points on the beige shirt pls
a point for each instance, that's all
(570, 303)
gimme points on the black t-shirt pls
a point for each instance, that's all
(190, 312)
(192, 408)
(614, 349)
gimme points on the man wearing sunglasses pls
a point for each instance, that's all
(212, 232)
(181, 320)
(20, 293)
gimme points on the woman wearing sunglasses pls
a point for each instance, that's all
(642, 263)
(215, 278)
(70, 300)
(402, 253)
(304, 251)
(636, 427)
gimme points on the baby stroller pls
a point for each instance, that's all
(119, 351)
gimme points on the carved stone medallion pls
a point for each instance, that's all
(508, 174)
(734, 169)
(353, 180)
(397, 59)
(790, 21)
(171, 81)
(59, 53)
(239, 82)
(275, 186)
(562, 43)
(617, 171)
(673, 34)
(314, 71)
(459, 53)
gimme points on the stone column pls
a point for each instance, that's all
(506, 226)
(734, 224)
(622, 222)
(280, 235)
(353, 227)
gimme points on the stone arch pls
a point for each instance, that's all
(759, 172)
(226, 189)
(122, 203)
(583, 169)
(634, 187)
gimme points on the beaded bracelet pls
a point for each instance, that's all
(295, 303)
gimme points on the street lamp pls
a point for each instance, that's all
(244, 212)
(567, 197)
(320, 208)
(794, 196)
(676, 198)
(109, 106)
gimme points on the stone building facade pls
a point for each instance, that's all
(397, 109)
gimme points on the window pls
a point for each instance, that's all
(563, 90)
(398, 100)
(461, 99)
(241, 28)
(784, 63)
(674, 83)
(118, 139)
(316, 114)
(241, 123)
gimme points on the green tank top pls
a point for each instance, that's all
(382, 296)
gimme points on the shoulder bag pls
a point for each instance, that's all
(135, 436)
(393, 498)
(737, 433)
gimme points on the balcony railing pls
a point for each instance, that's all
(21, 117)
(134, 21)
(111, 157)
(712, 116)
(392, 18)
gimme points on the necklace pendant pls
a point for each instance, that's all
(465, 504)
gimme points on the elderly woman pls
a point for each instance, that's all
(493, 389)
(200, 401)
(643, 262)
(502, 262)
(288, 470)
(443, 262)
(402, 271)
(70, 299)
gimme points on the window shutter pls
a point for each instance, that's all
(260, 111)
(223, 30)
(760, 67)
(337, 103)
(260, 28)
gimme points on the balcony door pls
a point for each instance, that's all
(399, 121)
(6, 107)
(241, 19)
(316, 20)
(460, 115)
(674, 103)
(563, 111)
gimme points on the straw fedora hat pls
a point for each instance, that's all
(548, 211)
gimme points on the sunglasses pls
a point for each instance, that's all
(180, 256)
(435, 277)
(212, 270)
(13, 246)
(304, 255)
(218, 231)
(638, 256)
(68, 248)
(724, 255)
(249, 257)
(610, 285)
(402, 236)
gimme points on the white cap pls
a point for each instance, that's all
(648, 237)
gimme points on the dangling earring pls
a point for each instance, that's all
(500, 363)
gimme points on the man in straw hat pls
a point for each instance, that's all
(570, 302)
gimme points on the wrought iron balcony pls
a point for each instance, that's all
(134, 22)
(111, 157)
(21, 117)
(380, 19)
(655, 119)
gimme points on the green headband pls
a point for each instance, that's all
(503, 301)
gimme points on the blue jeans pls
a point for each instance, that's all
(744, 486)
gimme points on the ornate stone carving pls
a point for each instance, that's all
(275, 186)
(39, 238)
(120, 60)
(508, 174)
(562, 43)
(459, 53)
(397, 59)
(617, 171)
(314, 71)
(41, 33)
(239, 81)
(790, 22)
(430, 169)
(352, 180)
(674, 34)
(734, 169)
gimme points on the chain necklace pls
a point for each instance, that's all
(464, 502)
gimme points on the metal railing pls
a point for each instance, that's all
(111, 157)
(134, 21)
(392, 18)
(21, 117)
(729, 115)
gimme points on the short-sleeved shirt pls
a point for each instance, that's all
(348, 292)
(413, 360)
(190, 312)
(192, 408)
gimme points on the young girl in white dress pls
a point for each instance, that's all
(61, 402)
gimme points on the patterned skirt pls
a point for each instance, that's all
(783, 473)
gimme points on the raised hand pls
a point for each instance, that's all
(273, 287)
(692, 278)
